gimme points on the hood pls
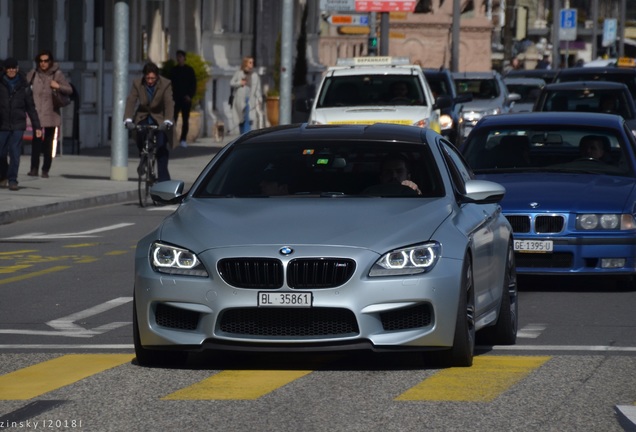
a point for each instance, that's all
(564, 192)
(483, 104)
(372, 114)
(373, 223)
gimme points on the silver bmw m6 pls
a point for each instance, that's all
(323, 238)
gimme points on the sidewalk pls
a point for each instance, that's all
(81, 181)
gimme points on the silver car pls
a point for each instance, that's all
(489, 93)
(325, 238)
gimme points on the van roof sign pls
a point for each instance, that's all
(373, 61)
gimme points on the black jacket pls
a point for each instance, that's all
(184, 82)
(14, 105)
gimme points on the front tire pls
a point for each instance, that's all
(463, 350)
(504, 332)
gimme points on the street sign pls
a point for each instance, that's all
(349, 20)
(338, 5)
(609, 31)
(385, 6)
(567, 25)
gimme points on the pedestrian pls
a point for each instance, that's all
(515, 64)
(16, 101)
(150, 101)
(45, 79)
(248, 96)
(184, 86)
(544, 63)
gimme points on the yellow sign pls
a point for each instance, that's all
(626, 62)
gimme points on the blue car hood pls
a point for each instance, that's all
(564, 192)
(373, 223)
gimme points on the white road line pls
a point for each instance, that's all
(82, 234)
(164, 208)
(531, 331)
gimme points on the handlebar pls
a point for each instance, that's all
(146, 127)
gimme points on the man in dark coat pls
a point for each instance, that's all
(184, 86)
(16, 101)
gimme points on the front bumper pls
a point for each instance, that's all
(382, 313)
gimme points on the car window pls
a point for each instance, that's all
(554, 149)
(459, 169)
(438, 85)
(528, 92)
(588, 100)
(485, 88)
(356, 90)
(328, 169)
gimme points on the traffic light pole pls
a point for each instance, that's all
(384, 34)
(372, 48)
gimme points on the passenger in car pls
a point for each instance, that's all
(594, 147)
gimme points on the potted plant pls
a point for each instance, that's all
(202, 74)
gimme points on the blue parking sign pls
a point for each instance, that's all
(567, 27)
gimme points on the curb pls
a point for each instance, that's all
(61, 207)
(627, 417)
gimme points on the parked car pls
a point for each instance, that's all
(489, 96)
(527, 88)
(451, 121)
(367, 90)
(595, 96)
(625, 75)
(547, 75)
(332, 237)
(571, 208)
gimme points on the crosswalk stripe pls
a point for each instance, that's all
(47, 376)
(483, 382)
(238, 385)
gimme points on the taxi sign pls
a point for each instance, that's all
(373, 61)
(626, 62)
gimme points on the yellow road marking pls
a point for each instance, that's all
(18, 252)
(44, 377)
(483, 382)
(80, 245)
(13, 268)
(237, 385)
(33, 274)
(116, 252)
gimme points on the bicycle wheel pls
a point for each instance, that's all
(146, 180)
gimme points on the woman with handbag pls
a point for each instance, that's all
(50, 88)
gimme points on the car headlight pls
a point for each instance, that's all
(175, 260)
(406, 261)
(445, 121)
(421, 123)
(607, 221)
(471, 116)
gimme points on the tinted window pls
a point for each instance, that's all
(322, 168)
(486, 88)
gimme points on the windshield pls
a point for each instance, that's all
(485, 88)
(324, 169)
(356, 90)
(588, 100)
(556, 149)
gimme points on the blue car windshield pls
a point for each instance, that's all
(323, 169)
(580, 149)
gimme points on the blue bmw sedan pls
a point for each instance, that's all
(570, 189)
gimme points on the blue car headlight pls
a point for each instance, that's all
(415, 259)
(605, 221)
(170, 259)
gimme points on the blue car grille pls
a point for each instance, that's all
(305, 273)
(281, 322)
(550, 224)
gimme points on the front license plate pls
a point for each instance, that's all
(285, 299)
(534, 246)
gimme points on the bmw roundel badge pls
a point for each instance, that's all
(286, 250)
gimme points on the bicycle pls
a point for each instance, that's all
(147, 169)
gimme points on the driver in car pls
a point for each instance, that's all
(592, 147)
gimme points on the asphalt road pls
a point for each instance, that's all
(66, 357)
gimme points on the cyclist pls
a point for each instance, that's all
(150, 102)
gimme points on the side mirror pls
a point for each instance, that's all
(443, 101)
